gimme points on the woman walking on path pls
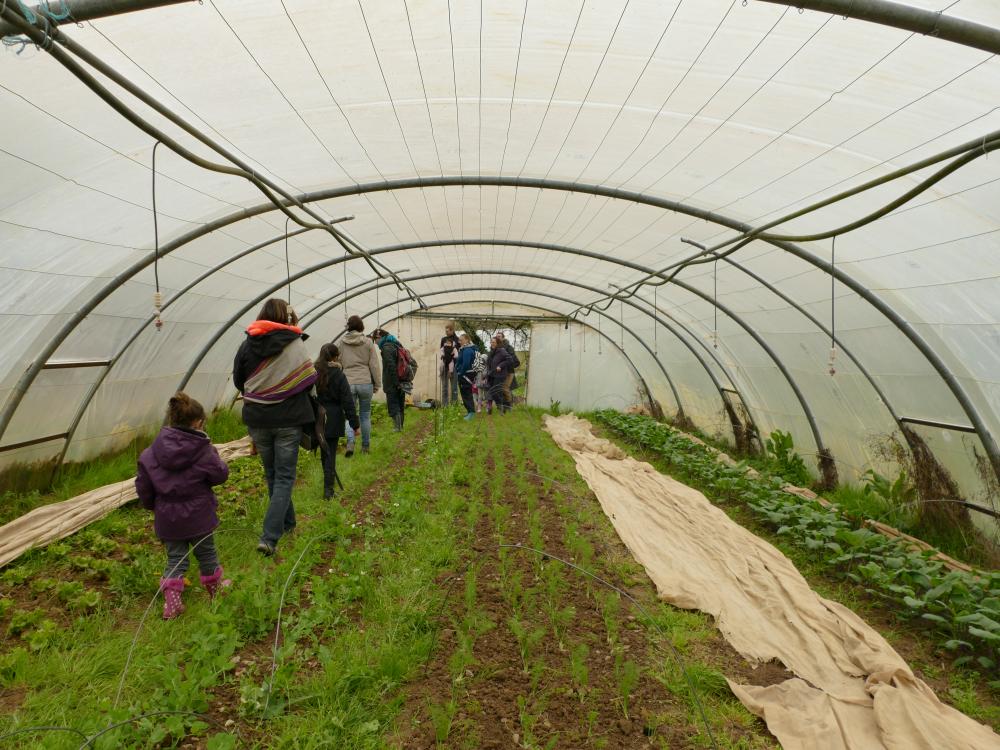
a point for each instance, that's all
(500, 370)
(174, 480)
(465, 372)
(274, 373)
(360, 359)
(395, 397)
(334, 394)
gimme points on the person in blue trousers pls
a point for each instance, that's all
(362, 365)
(274, 373)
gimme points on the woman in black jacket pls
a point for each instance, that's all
(500, 364)
(275, 374)
(334, 394)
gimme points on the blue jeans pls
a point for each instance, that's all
(362, 393)
(278, 448)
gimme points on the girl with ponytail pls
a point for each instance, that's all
(334, 394)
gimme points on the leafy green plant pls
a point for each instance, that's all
(961, 609)
(23, 619)
(15, 576)
(41, 585)
(555, 408)
(784, 461)
(43, 636)
(894, 498)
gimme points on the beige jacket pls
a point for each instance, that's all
(360, 359)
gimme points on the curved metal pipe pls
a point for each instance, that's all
(906, 17)
(96, 385)
(583, 253)
(810, 418)
(727, 407)
(226, 326)
(951, 381)
(81, 410)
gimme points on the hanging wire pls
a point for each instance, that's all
(621, 324)
(833, 308)
(343, 265)
(656, 349)
(157, 294)
(288, 265)
(715, 303)
(600, 338)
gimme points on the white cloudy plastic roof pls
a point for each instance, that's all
(748, 110)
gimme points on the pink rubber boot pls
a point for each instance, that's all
(214, 582)
(172, 589)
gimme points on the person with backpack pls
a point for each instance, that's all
(334, 394)
(466, 373)
(275, 374)
(395, 360)
(363, 369)
(447, 371)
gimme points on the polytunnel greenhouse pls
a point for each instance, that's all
(663, 405)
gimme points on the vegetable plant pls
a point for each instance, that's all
(961, 610)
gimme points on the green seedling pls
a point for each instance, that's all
(578, 668)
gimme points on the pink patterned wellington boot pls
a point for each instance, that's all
(215, 582)
(172, 589)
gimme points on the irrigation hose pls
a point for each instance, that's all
(46, 40)
(281, 606)
(145, 614)
(673, 649)
(965, 153)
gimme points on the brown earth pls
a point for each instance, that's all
(499, 698)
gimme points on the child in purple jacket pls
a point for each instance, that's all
(175, 479)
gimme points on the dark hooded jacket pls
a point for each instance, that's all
(389, 346)
(175, 479)
(501, 360)
(335, 396)
(294, 411)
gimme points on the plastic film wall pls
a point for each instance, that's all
(537, 155)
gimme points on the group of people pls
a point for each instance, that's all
(481, 378)
(281, 387)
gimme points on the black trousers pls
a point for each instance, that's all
(395, 400)
(465, 388)
(329, 458)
